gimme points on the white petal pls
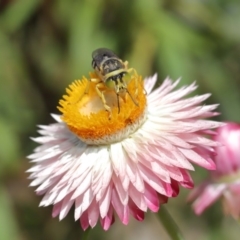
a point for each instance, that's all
(104, 202)
(117, 158)
(149, 83)
(66, 205)
(138, 198)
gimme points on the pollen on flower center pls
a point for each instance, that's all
(84, 112)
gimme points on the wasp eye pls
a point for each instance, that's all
(111, 84)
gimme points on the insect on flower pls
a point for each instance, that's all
(110, 70)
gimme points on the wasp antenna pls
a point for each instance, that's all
(131, 97)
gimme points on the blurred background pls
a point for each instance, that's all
(45, 45)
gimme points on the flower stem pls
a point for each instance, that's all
(169, 224)
(86, 234)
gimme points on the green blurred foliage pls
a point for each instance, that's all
(44, 45)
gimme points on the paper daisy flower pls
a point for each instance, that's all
(125, 165)
(224, 183)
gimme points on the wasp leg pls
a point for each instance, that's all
(126, 64)
(136, 87)
(135, 81)
(134, 101)
(101, 95)
(100, 84)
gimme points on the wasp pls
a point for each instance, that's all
(110, 70)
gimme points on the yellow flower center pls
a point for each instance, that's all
(85, 114)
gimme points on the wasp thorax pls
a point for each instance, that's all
(111, 65)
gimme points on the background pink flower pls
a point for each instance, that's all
(225, 181)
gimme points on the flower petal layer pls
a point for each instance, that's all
(127, 177)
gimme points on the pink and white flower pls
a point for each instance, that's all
(224, 183)
(126, 171)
